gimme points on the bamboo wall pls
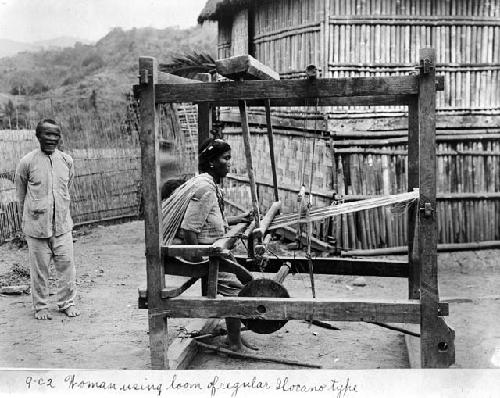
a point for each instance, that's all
(224, 39)
(468, 182)
(288, 35)
(239, 41)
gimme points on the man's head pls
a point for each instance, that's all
(49, 135)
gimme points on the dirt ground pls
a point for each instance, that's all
(111, 333)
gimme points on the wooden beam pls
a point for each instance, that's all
(213, 276)
(418, 20)
(379, 100)
(250, 240)
(149, 135)
(258, 233)
(335, 266)
(282, 273)
(290, 233)
(442, 247)
(190, 250)
(413, 182)
(245, 67)
(388, 311)
(433, 331)
(183, 349)
(288, 89)
(167, 292)
(260, 249)
(227, 242)
(177, 291)
(248, 155)
(177, 266)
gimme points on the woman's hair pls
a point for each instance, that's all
(211, 149)
(170, 186)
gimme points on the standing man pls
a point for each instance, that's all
(43, 179)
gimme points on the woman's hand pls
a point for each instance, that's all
(245, 217)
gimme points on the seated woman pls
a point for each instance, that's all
(203, 223)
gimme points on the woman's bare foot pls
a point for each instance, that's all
(43, 315)
(239, 346)
(71, 311)
(234, 341)
(249, 345)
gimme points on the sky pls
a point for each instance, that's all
(34, 20)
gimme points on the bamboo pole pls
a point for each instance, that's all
(240, 355)
(248, 156)
(271, 148)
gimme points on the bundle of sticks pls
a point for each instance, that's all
(322, 213)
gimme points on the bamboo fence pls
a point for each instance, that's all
(106, 154)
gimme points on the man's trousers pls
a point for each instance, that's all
(41, 251)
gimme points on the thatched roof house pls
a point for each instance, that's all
(371, 37)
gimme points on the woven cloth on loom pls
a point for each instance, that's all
(174, 207)
(344, 208)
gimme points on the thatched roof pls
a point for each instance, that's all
(216, 9)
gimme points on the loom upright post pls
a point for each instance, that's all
(205, 123)
(413, 182)
(149, 138)
(437, 346)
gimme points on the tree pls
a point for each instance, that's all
(9, 110)
(38, 87)
(93, 100)
(18, 89)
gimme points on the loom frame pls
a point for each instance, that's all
(423, 307)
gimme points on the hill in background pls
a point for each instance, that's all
(97, 75)
(9, 48)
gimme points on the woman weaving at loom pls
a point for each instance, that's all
(194, 215)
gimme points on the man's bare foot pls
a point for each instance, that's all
(43, 315)
(71, 311)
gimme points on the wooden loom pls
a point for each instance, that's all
(422, 307)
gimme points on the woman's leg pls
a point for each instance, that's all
(234, 339)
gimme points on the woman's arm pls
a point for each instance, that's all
(244, 217)
(191, 238)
